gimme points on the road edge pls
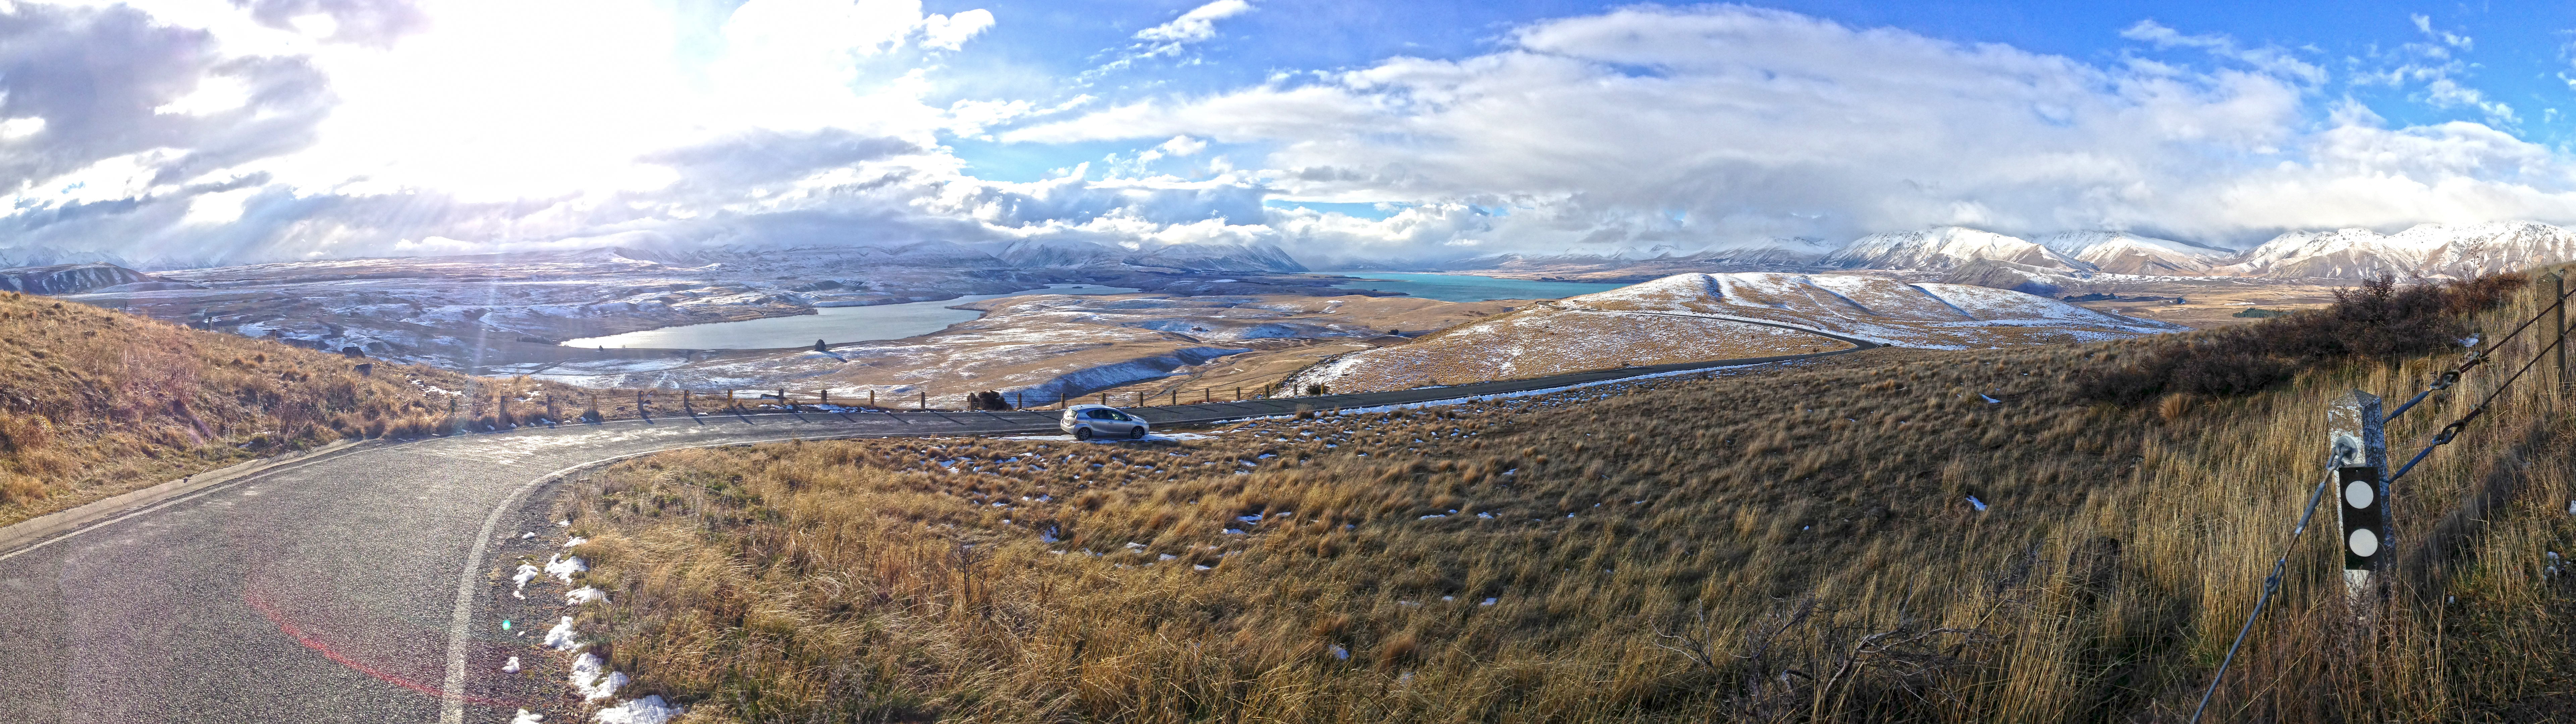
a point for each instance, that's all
(34, 530)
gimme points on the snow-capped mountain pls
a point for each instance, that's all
(1202, 257)
(68, 278)
(1058, 254)
(2425, 250)
(1759, 252)
(1998, 274)
(1944, 247)
(2121, 252)
(1211, 256)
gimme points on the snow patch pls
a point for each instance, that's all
(591, 677)
(562, 638)
(648, 710)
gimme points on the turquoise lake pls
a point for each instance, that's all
(832, 324)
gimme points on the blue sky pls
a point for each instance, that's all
(279, 129)
(2518, 55)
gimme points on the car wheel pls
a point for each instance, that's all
(1082, 433)
(1136, 433)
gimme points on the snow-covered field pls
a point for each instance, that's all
(1688, 317)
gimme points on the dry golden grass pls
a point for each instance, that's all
(94, 403)
(1790, 544)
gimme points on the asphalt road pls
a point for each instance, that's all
(366, 585)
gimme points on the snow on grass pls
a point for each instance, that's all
(576, 540)
(563, 567)
(648, 710)
(562, 638)
(584, 594)
(512, 667)
(527, 717)
(591, 677)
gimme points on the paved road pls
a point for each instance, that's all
(360, 585)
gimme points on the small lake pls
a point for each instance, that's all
(833, 324)
(1466, 288)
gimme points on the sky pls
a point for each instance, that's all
(199, 132)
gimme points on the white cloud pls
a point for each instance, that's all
(1655, 124)
(17, 128)
(1196, 25)
(951, 31)
(494, 124)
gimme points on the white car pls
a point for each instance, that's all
(1085, 422)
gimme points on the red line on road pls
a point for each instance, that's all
(270, 610)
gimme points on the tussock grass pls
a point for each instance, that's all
(94, 402)
(1791, 544)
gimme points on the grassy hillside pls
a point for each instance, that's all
(94, 402)
(1891, 535)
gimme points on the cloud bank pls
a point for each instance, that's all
(283, 129)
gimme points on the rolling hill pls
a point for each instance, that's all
(1723, 316)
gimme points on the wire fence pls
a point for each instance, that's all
(2555, 346)
(507, 408)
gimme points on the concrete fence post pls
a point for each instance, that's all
(2360, 464)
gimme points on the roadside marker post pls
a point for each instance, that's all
(2557, 286)
(2360, 463)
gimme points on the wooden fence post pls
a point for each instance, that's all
(1104, 399)
(925, 400)
(1140, 398)
(823, 398)
(2360, 465)
(872, 398)
(1176, 396)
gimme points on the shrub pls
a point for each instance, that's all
(2377, 319)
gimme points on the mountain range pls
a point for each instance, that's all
(2425, 250)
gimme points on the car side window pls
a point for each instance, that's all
(1100, 415)
(1116, 415)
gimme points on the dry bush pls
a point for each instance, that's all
(2379, 319)
(1794, 543)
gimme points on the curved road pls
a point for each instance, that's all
(366, 584)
